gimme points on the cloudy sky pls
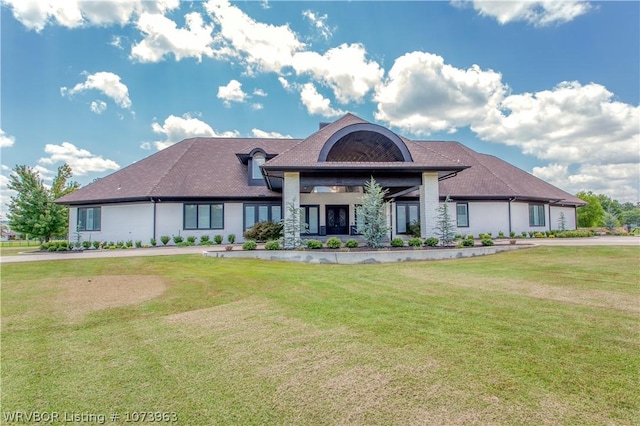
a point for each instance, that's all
(550, 86)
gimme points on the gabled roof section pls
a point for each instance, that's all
(312, 152)
(193, 168)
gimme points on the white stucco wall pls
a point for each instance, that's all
(119, 222)
(569, 217)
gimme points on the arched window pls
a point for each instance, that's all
(256, 161)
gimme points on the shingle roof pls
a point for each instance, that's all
(210, 168)
(199, 167)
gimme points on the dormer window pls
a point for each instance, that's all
(257, 160)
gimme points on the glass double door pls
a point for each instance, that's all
(337, 219)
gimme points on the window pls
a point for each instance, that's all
(88, 218)
(536, 215)
(310, 217)
(203, 216)
(256, 161)
(254, 213)
(462, 215)
(406, 213)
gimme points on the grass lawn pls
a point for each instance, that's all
(548, 335)
(13, 248)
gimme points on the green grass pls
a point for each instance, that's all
(539, 336)
(13, 248)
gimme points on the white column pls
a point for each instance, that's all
(429, 203)
(291, 194)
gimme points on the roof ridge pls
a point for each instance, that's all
(169, 169)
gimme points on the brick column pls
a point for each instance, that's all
(291, 194)
(429, 203)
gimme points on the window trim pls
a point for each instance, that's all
(251, 179)
(541, 209)
(271, 205)
(458, 216)
(84, 229)
(306, 216)
(406, 205)
(197, 228)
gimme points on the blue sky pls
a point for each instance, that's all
(551, 87)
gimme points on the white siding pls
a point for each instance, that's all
(484, 217)
(569, 217)
(429, 196)
(119, 222)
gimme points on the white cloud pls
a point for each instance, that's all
(36, 14)
(232, 92)
(176, 129)
(6, 140)
(317, 104)
(619, 181)
(571, 123)
(268, 135)
(98, 107)
(257, 106)
(344, 69)
(285, 84)
(422, 94)
(262, 47)
(319, 23)
(106, 82)
(162, 37)
(259, 92)
(537, 13)
(116, 41)
(80, 160)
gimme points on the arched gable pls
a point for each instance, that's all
(364, 142)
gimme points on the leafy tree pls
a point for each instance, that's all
(445, 228)
(592, 214)
(610, 205)
(373, 226)
(631, 216)
(32, 210)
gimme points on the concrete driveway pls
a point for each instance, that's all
(172, 251)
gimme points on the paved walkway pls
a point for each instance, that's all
(171, 251)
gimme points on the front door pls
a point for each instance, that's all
(337, 220)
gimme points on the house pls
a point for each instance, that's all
(209, 186)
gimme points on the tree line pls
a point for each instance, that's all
(602, 210)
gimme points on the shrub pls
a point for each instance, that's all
(153, 242)
(415, 242)
(414, 229)
(204, 240)
(52, 248)
(249, 245)
(165, 239)
(96, 245)
(191, 240)
(334, 242)
(458, 236)
(272, 245)
(314, 244)
(129, 243)
(539, 235)
(470, 237)
(397, 242)
(524, 234)
(217, 239)
(62, 248)
(138, 244)
(487, 242)
(177, 239)
(512, 234)
(500, 234)
(431, 242)
(231, 238)
(86, 244)
(468, 243)
(264, 231)
(531, 234)
(351, 244)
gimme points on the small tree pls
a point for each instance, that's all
(373, 226)
(610, 221)
(562, 222)
(445, 228)
(292, 227)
